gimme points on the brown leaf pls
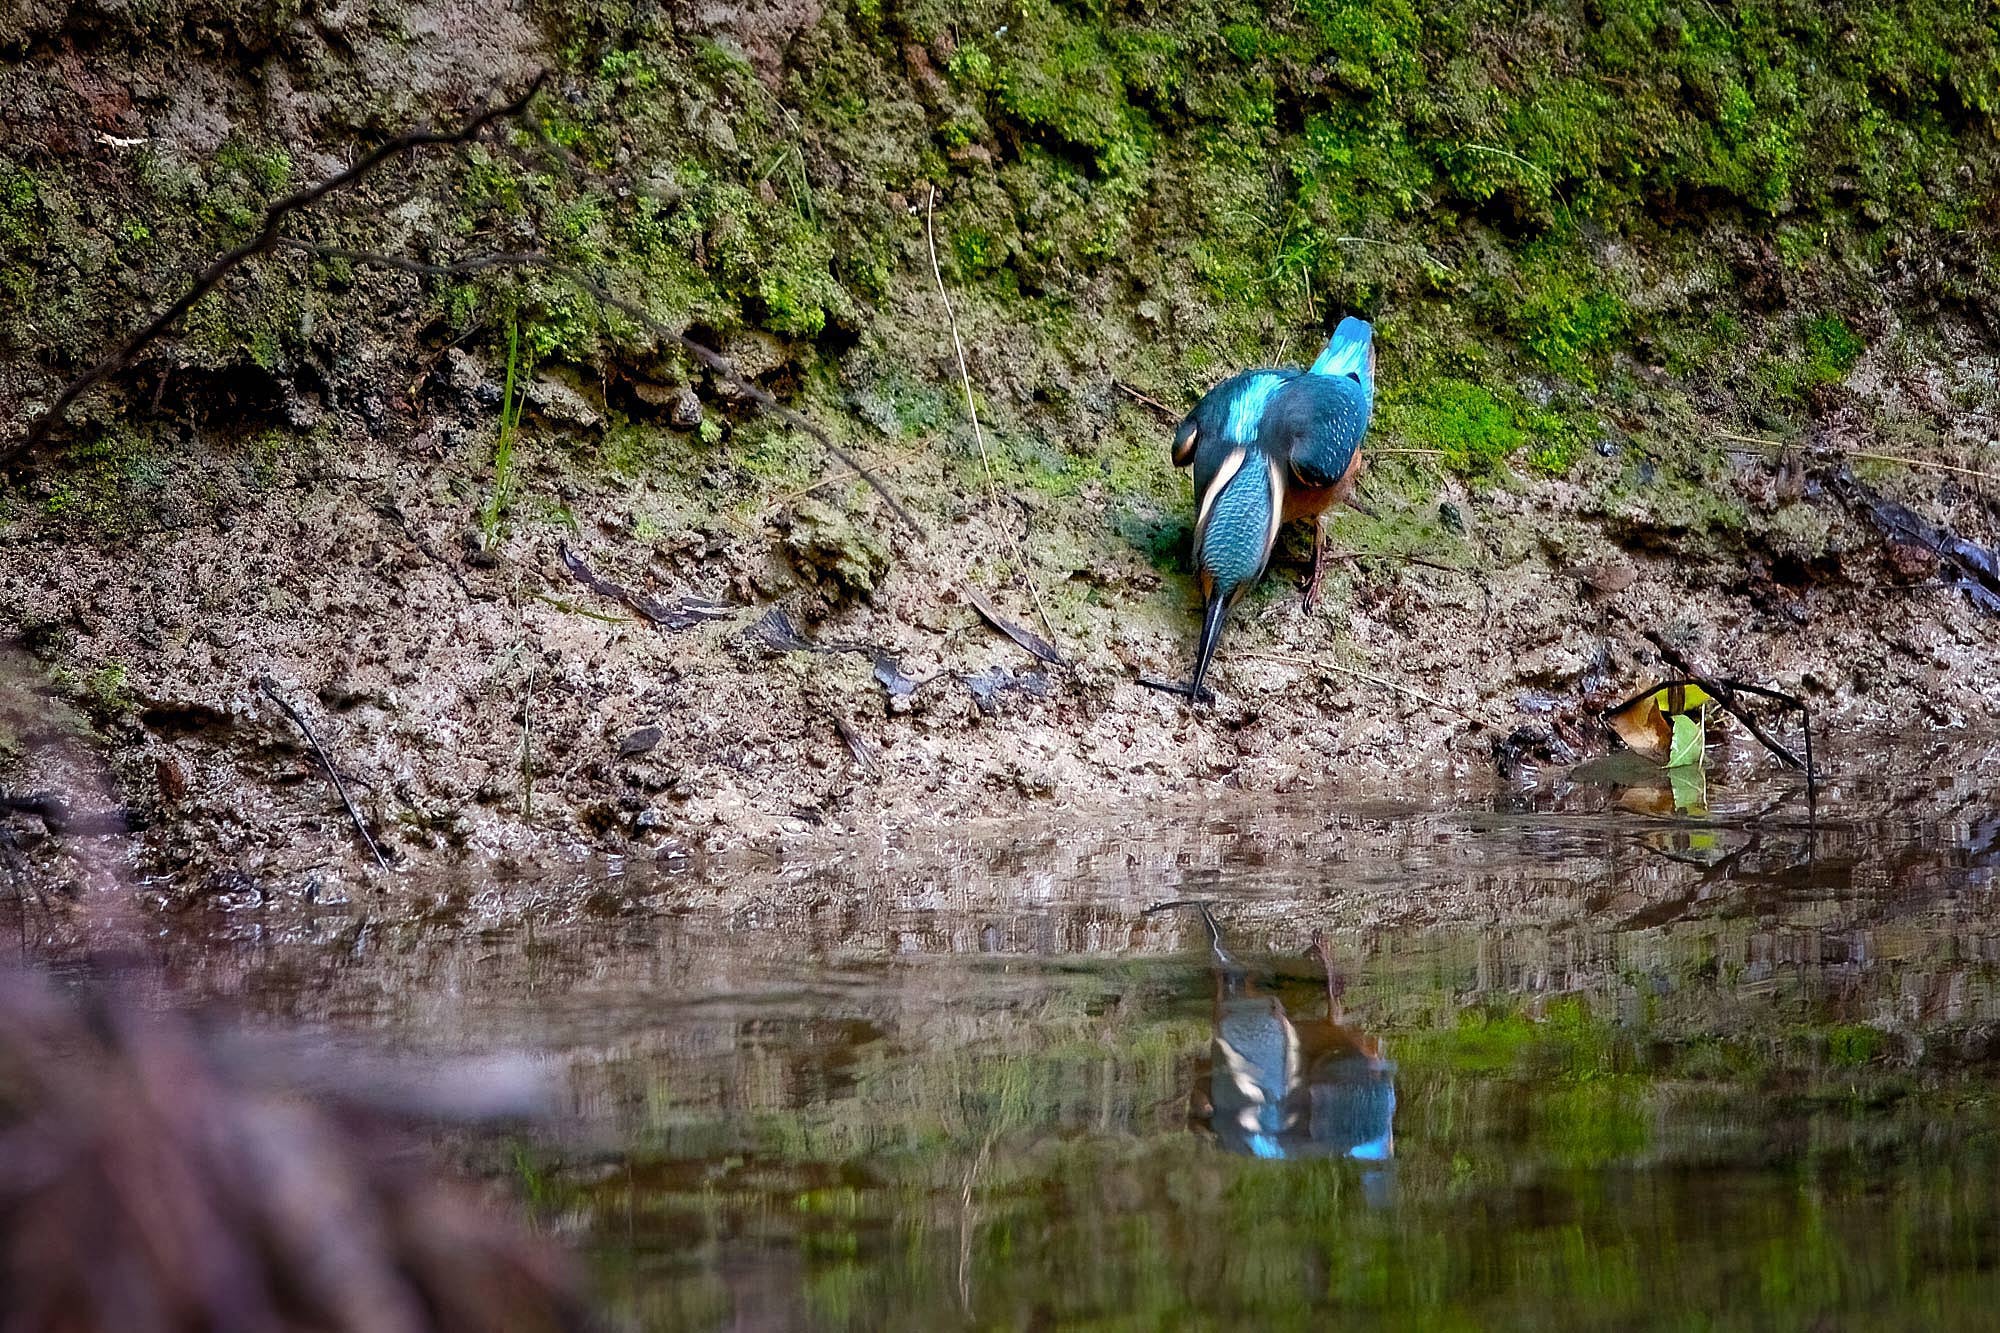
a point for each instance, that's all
(1027, 638)
(1644, 728)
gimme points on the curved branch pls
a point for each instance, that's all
(266, 239)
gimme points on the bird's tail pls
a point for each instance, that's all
(1348, 352)
(1211, 634)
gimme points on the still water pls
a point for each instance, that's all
(1562, 1057)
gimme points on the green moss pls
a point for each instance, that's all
(1564, 320)
(106, 693)
(1059, 79)
(1854, 1044)
(1831, 348)
(1476, 431)
(20, 211)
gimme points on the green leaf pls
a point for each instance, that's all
(1686, 751)
(1690, 786)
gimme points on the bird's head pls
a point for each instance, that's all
(1350, 352)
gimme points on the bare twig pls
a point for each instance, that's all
(965, 381)
(528, 749)
(1147, 399)
(270, 687)
(266, 238)
(1749, 439)
(1923, 463)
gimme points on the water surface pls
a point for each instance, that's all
(1597, 1062)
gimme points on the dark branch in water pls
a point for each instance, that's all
(266, 684)
(1725, 692)
(266, 239)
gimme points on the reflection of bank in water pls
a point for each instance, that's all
(1279, 1088)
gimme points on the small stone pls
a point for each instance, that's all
(465, 372)
(1606, 576)
(839, 558)
(477, 553)
(639, 742)
(755, 354)
(685, 411)
(563, 403)
(648, 776)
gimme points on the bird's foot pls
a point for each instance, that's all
(1188, 692)
(1310, 598)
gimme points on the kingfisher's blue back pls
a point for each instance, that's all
(1262, 438)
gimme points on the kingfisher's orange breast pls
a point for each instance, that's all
(1312, 501)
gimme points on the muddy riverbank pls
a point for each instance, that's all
(1610, 412)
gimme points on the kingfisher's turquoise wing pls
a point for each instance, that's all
(1228, 417)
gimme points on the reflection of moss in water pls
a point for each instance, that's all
(1608, 1163)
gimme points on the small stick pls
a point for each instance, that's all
(1725, 695)
(270, 687)
(528, 750)
(1872, 457)
(965, 380)
(266, 238)
(1749, 439)
(1147, 399)
(1922, 463)
(573, 609)
(1184, 690)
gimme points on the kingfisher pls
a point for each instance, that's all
(1268, 446)
(1281, 1086)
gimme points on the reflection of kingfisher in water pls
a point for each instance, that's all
(1276, 1088)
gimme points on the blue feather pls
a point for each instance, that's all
(1236, 539)
(1246, 408)
(1317, 424)
(1347, 353)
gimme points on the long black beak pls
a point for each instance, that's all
(1211, 634)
